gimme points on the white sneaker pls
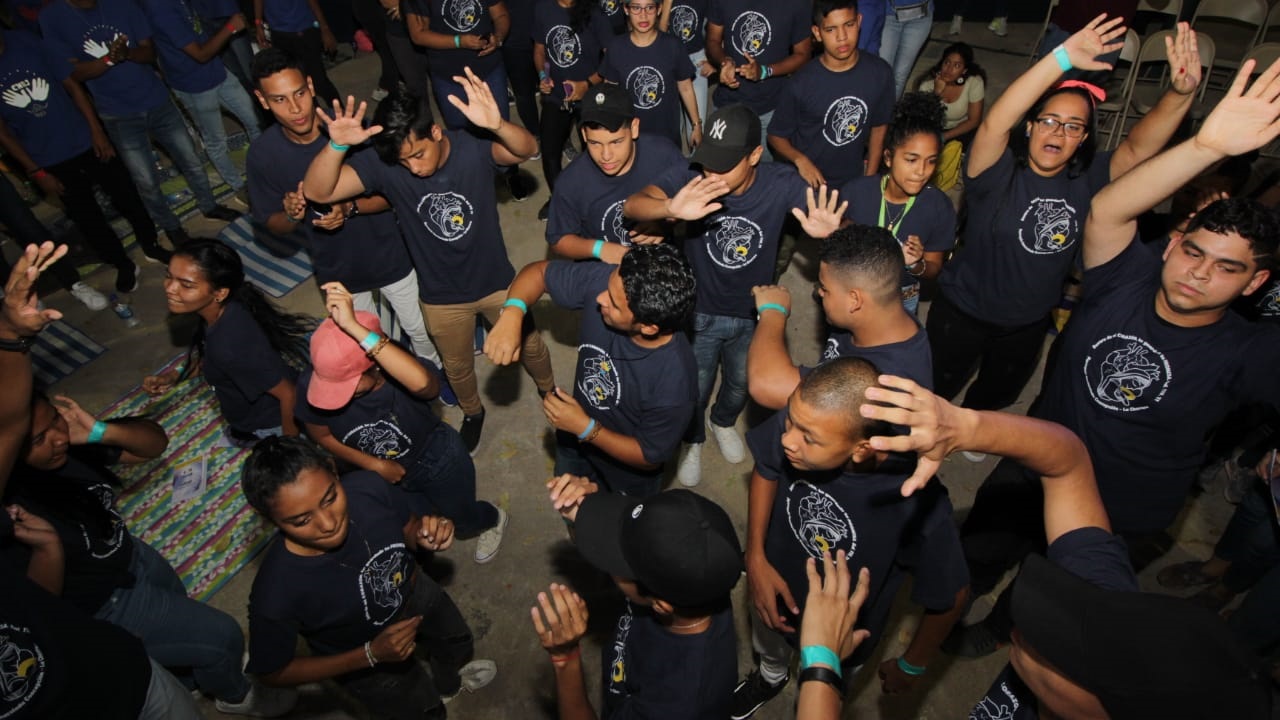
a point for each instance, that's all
(973, 456)
(379, 94)
(957, 23)
(490, 540)
(475, 675)
(689, 473)
(730, 443)
(262, 701)
(999, 26)
(91, 298)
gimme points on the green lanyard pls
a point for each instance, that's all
(891, 227)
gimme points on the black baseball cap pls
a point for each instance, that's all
(731, 133)
(679, 545)
(1141, 654)
(608, 105)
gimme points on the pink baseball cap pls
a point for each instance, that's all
(337, 362)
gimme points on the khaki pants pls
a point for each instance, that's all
(453, 329)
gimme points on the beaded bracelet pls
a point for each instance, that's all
(378, 348)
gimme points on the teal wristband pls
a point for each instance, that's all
(814, 654)
(772, 306)
(339, 147)
(516, 303)
(370, 341)
(596, 248)
(457, 41)
(765, 72)
(542, 75)
(587, 431)
(908, 668)
(181, 369)
(95, 435)
(1064, 60)
(315, 24)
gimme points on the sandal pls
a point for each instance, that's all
(1184, 575)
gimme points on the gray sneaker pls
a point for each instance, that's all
(490, 540)
(475, 675)
(262, 701)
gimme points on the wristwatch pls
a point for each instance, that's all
(19, 345)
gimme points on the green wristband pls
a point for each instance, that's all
(95, 435)
(596, 248)
(457, 41)
(1064, 60)
(819, 654)
(908, 668)
(339, 146)
(370, 341)
(516, 303)
(772, 306)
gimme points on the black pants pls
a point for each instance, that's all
(1005, 357)
(23, 226)
(78, 176)
(554, 131)
(523, 77)
(373, 18)
(307, 47)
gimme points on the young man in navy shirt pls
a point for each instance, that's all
(858, 272)
(635, 383)
(355, 242)
(586, 211)
(820, 485)
(831, 117)
(736, 207)
(1153, 358)
(440, 183)
(108, 42)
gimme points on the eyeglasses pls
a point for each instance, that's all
(642, 9)
(1051, 126)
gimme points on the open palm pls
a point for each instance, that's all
(1246, 119)
(346, 125)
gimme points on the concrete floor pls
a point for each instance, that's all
(514, 461)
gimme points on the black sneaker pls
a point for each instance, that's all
(470, 431)
(971, 641)
(752, 693)
(520, 186)
(544, 211)
(221, 212)
(127, 278)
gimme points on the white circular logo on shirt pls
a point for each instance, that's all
(599, 383)
(832, 350)
(380, 439)
(1048, 226)
(1269, 305)
(991, 708)
(381, 580)
(735, 243)
(446, 215)
(1126, 373)
(610, 7)
(22, 668)
(612, 224)
(563, 46)
(844, 120)
(684, 22)
(23, 90)
(818, 521)
(646, 86)
(462, 15)
(100, 547)
(750, 33)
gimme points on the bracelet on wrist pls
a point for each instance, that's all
(339, 146)
(370, 341)
(368, 654)
(586, 432)
(774, 307)
(1064, 59)
(516, 303)
(924, 265)
(382, 342)
(457, 41)
(908, 668)
(823, 675)
(95, 434)
(811, 655)
(564, 659)
(106, 60)
(230, 28)
(596, 247)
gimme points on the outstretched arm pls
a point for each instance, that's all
(1245, 119)
(771, 376)
(1156, 128)
(329, 179)
(504, 341)
(396, 362)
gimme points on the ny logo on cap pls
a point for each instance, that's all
(717, 129)
(599, 98)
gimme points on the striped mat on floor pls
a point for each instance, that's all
(211, 536)
(276, 265)
(61, 349)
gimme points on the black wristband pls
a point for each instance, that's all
(19, 345)
(823, 674)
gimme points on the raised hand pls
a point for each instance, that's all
(480, 108)
(823, 215)
(79, 421)
(20, 313)
(934, 425)
(346, 125)
(696, 199)
(1184, 60)
(1245, 119)
(560, 619)
(1099, 37)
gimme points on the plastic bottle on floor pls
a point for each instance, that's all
(124, 312)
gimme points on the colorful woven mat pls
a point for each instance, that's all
(211, 536)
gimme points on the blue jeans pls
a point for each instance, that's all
(206, 109)
(443, 482)
(900, 43)
(720, 340)
(452, 117)
(132, 136)
(765, 119)
(178, 632)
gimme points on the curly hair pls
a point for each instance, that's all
(276, 462)
(1249, 219)
(402, 115)
(866, 257)
(915, 113)
(659, 285)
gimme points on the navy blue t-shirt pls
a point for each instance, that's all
(456, 17)
(615, 12)
(215, 9)
(829, 115)
(931, 217)
(241, 366)
(910, 358)
(1263, 305)
(644, 393)
(765, 30)
(1022, 238)
(364, 254)
(387, 423)
(36, 106)
(688, 23)
(450, 220)
(734, 248)
(520, 13)
(589, 203)
(1143, 393)
(1090, 553)
(866, 516)
(288, 15)
(337, 600)
(651, 672)
(651, 75)
(571, 55)
(83, 35)
(176, 25)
